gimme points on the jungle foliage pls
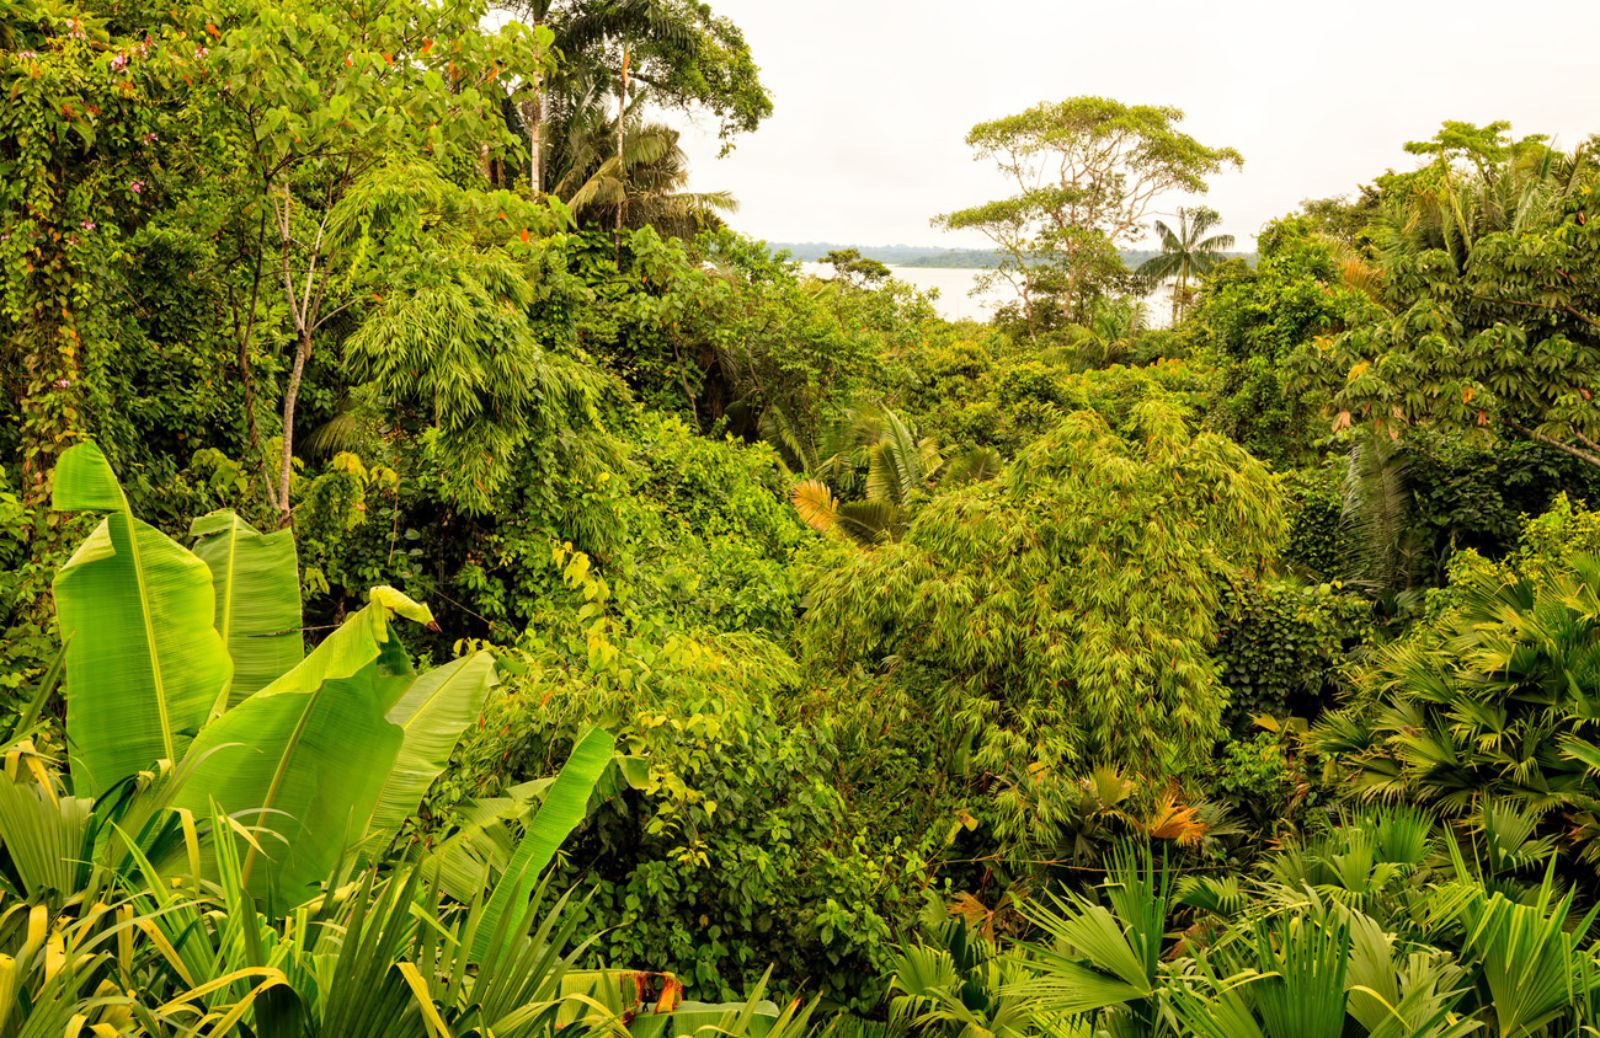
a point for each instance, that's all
(1061, 675)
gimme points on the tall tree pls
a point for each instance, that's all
(855, 269)
(1486, 263)
(1186, 253)
(1087, 172)
(309, 114)
(685, 55)
(642, 184)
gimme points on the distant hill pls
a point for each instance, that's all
(924, 256)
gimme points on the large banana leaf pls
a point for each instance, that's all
(484, 839)
(432, 714)
(144, 664)
(565, 805)
(306, 758)
(257, 582)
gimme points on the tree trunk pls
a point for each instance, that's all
(622, 168)
(535, 119)
(1177, 294)
(536, 145)
(290, 395)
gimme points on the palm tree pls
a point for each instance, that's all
(1186, 252)
(897, 461)
(1112, 330)
(586, 36)
(641, 186)
(606, 46)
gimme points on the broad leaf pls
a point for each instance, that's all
(257, 582)
(483, 841)
(144, 663)
(432, 714)
(306, 757)
(564, 807)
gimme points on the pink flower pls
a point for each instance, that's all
(27, 55)
(149, 138)
(200, 53)
(87, 225)
(119, 63)
(62, 383)
(136, 186)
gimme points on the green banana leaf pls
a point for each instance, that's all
(484, 840)
(693, 1018)
(432, 714)
(144, 663)
(305, 759)
(256, 577)
(564, 807)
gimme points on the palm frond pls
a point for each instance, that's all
(815, 504)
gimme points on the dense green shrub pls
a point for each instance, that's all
(1250, 319)
(691, 534)
(982, 391)
(1057, 618)
(1464, 497)
(1317, 542)
(732, 850)
(1280, 646)
(26, 641)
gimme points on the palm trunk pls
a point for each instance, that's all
(622, 169)
(536, 145)
(532, 112)
(534, 115)
(1179, 292)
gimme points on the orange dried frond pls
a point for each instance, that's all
(1172, 820)
(815, 504)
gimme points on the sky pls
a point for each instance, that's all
(872, 98)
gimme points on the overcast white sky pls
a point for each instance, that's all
(873, 97)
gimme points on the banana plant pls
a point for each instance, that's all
(380, 957)
(256, 580)
(195, 660)
(145, 665)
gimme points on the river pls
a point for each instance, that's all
(956, 302)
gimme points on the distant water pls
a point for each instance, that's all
(954, 285)
(957, 303)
